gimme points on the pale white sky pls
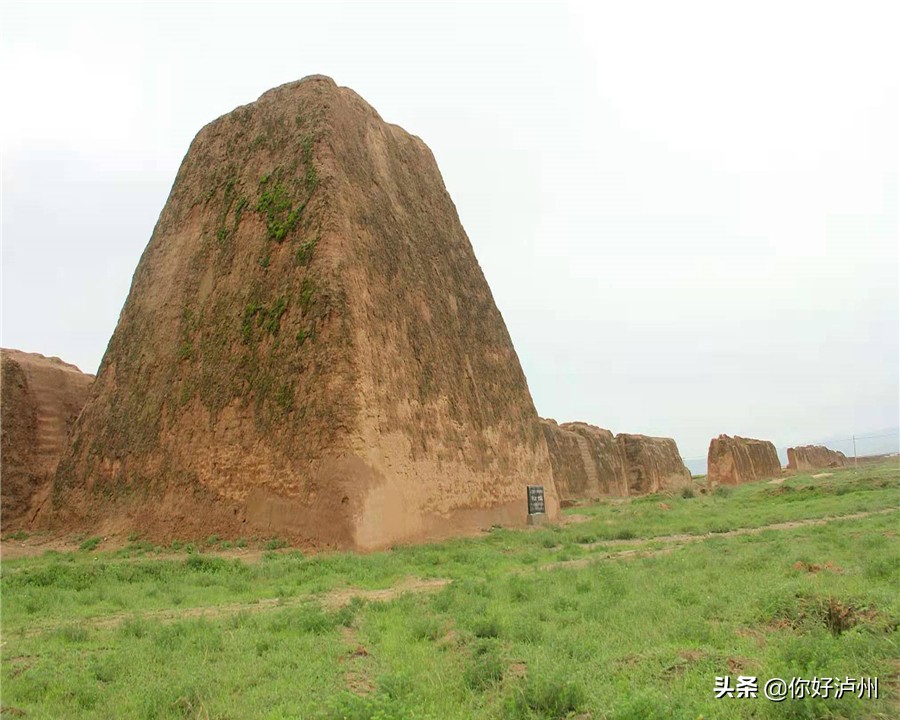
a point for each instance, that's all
(687, 212)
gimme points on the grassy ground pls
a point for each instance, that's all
(611, 617)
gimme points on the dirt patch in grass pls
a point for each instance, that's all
(686, 658)
(350, 637)
(10, 711)
(675, 541)
(12, 549)
(359, 683)
(517, 669)
(753, 633)
(816, 568)
(790, 525)
(620, 555)
(19, 664)
(838, 615)
(737, 665)
(780, 490)
(357, 677)
(334, 600)
(338, 598)
(691, 656)
(449, 640)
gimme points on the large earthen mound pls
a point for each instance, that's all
(814, 457)
(309, 348)
(735, 460)
(587, 461)
(41, 397)
(654, 464)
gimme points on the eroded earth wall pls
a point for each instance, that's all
(814, 457)
(590, 462)
(587, 461)
(41, 397)
(735, 460)
(654, 464)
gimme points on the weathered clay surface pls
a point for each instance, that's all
(41, 398)
(309, 348)
(653, 463)
(587, 461)
(814, 457)
(735, 460)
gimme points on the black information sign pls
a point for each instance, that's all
(536, 500)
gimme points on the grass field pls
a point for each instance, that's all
(630, 612)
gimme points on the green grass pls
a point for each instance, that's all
(305, 251)
(259, 315)
(90, 544)
(277, 205)
(610, 636)
(307, 294)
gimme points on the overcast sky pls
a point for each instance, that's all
(687, 212)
